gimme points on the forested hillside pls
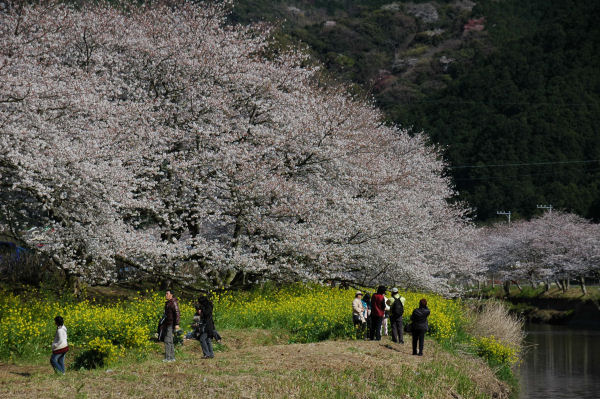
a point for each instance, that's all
(510, 88)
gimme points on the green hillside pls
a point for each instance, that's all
(496, 83)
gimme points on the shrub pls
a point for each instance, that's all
(495, 352)
(99, 353)
(492, 318)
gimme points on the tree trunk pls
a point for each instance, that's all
(546, 286)
(73, 284)
(507, 288)
(493, 285)
(582, 284)
(559, 285)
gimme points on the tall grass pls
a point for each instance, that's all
(492, 318)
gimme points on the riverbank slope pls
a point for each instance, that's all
(258, 364)
(570, 308)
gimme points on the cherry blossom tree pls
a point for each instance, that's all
(162, 141)
(555, 246)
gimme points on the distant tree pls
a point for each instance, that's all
(556, 246)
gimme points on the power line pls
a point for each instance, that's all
(524, 164)
(512, 177)
(446, 102)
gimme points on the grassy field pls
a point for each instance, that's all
(260, 364)
(292, 341)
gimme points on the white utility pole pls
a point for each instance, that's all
(504, 213)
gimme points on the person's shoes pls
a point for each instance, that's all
(166, 360)
(420, 354)
(402, 342)
(207, 357)
(414, 353)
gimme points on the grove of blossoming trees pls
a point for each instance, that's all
(554, 247)
(161, 140)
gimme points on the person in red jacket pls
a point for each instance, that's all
(170, 325)
(377, 313)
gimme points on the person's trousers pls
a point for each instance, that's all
(57, 360)
(169, 346)
(375, 332)
(418, 336)
(397, 332)
(206, 344)
(384, 326)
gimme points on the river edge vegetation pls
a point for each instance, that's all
(549, 304)
(305, 327)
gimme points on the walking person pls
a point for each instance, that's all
(396, 303)
(419, 326)
(207, 327)
(60, 346)
(358, 315)
(170, 325)
(377, 313)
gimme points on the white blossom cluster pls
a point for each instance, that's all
(554, 246)
(160, 139)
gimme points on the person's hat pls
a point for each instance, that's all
(394, 290)
(358, 293)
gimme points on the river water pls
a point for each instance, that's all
(560, 363)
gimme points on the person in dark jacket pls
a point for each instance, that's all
(170, 325)
(419, 326)
(396, 303)
(367, 306)
(206, 327)
(377, 313)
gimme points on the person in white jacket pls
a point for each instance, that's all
(358, 315)
(60, 346)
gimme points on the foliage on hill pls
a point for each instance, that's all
(533, 100)
(522, 87)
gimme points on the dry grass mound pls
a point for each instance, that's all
(492, 318)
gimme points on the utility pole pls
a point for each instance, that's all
(548, 207)
(507, 214)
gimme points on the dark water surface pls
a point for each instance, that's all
(562, 363)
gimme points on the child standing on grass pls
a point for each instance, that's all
(59, 347)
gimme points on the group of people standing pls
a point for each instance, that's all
(370, 315)
(203, 329)
(203, 326)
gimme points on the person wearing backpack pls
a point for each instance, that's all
(396, 304)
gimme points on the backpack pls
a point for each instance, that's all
(160, 331)
(397, 309)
